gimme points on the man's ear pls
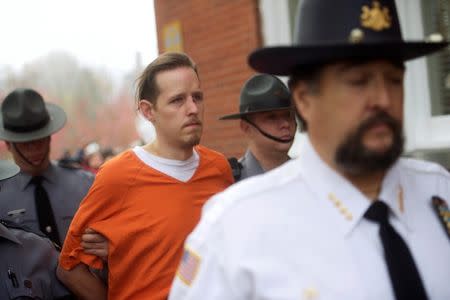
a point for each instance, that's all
(303, 97)
(147, 109)
(8, 145)
(245, 127)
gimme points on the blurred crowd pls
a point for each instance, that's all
(90, 157)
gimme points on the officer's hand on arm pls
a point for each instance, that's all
(94, 243)
(82, 282)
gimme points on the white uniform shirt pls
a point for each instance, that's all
(298, 232)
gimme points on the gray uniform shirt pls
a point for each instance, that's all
(27, 266)
(65, 188)
(250, 166)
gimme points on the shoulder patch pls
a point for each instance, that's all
(442, 210)
(190, 263)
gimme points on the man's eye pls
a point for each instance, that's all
(396, 80)
(198, 97)
(358, 81)
(176, 100)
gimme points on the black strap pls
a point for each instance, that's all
(26, 159)
(236, 168)
(269, 136)
(46, 218)
(403, 272)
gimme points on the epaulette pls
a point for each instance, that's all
(14, 225)
(236, 168)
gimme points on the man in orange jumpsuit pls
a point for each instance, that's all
(148, 199)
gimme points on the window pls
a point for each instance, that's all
(436, 19)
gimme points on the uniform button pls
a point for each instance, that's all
(48, 229)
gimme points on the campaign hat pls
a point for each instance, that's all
(329, 31)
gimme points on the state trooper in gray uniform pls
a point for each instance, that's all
(268, 122)
(44, 196)
(27, 261)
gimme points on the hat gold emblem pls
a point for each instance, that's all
(376, 18)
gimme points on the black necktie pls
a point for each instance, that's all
(403, 272)
(47, 223)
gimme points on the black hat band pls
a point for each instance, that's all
(257, 106)
(29, 127)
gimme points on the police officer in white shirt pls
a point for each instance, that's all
(349, 218)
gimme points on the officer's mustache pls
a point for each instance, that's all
(380, 118)
(354, 158)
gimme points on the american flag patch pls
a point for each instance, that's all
(188, 267)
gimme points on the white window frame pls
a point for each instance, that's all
(423, 131)
(276, 30)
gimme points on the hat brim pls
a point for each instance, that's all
(57, 121)
(240, 115)
(8, 169)
(283, 60)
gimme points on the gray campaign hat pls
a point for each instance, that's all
(8, 169)
(26, 117)
(329, 30)
(261, 93)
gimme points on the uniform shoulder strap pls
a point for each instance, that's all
(236, 168)
(68, 163)
(13, 225)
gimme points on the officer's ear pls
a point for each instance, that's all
(302, 96)
(147, 109)
(8, 145)
(245, 127)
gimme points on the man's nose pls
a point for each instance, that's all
(381, 95)
(287, 121)
(192, 105)
(33, 144)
